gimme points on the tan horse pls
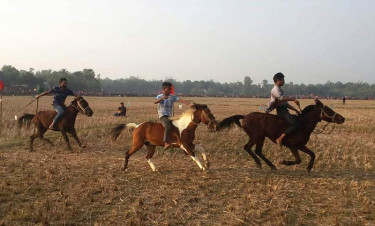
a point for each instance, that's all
(182, 134)
(43, 119)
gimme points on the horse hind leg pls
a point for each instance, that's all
(40, 130)
(194, 157)
(134, 148)
(46, 140)
(247, 148)
(258, 151)
(150, 153)
(32, 138)
(204, 156)
(296, 156)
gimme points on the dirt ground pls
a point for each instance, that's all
(54, 186)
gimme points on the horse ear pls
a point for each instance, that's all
(318, 102)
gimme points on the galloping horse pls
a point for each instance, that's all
(258, 126)
(43, 119)
(182, 134)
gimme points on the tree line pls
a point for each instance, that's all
(89, 83)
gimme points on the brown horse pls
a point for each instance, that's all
(43, 119)
(258, 126)
(182, 134)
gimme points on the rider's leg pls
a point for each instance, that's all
(293, 125)
(60, 112)
(168, 127)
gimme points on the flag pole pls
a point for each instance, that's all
(1, 111)
(1, 105)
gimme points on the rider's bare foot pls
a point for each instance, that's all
(279, 141)
(51, 126)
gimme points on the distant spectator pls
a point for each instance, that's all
(121, 111)
(343, 100)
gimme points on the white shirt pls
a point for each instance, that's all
(276, 93)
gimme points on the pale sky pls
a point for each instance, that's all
(309, 41)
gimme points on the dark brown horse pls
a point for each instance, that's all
(182, 134)
(258, 126)
(43, 119)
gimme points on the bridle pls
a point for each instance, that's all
(322, 112)
(80, 106)
(203, 113)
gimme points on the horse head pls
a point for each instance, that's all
(82, 106)
(203, 113)
(327, 114)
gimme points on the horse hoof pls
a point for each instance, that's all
(83, 146)
(282, 162)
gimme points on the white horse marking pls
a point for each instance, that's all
(196, 160)
(201, 149)
(183, 122)
(152, 165)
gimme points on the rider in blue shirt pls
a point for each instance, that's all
(60, 93)
(165, 102)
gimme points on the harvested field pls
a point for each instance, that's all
(54, 186)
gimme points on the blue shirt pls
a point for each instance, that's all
(165, 106)
(60, 94)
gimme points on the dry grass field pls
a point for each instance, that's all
(54, 186)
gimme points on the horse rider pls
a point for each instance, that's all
(280, 102)
(60, 93)
(165, 102)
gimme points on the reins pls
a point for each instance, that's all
(325, 126)
(80, 106)
(204, 113)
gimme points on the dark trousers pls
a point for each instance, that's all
(168, 127)
(289, 119)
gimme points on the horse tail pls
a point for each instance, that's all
(24, 119)
(115, 132)
(227, 122)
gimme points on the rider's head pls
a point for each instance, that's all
(278, 78)
(166, 86)
(63, 82)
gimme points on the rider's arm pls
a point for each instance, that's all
(42, 94)
(292, 108)
(158, 100)
(184, 101)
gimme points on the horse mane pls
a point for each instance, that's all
(189, 112)
(307, 109)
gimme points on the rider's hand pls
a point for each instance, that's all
(165, 97)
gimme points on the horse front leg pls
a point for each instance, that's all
(63, 132)
(204, 156)
(296, 156)
(74, 134)
(312, 157)
(193, 156)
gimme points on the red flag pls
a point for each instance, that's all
(172, 89)
(1, 85)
